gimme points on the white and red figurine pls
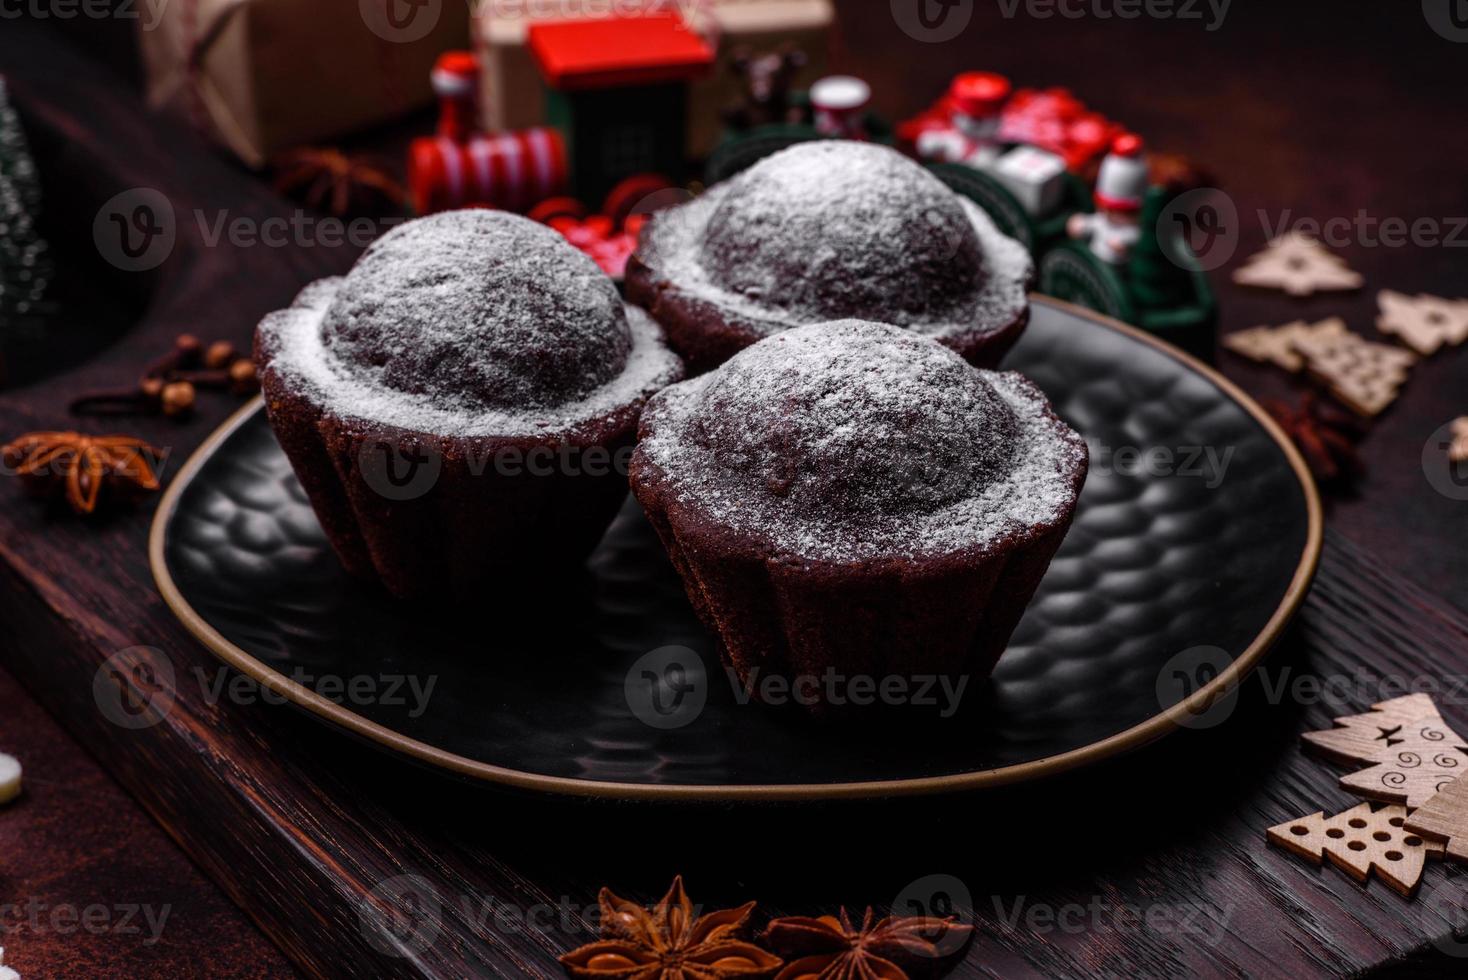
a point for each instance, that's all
(462, 166)
(838, 104)
(975, 103)
(1115, 228)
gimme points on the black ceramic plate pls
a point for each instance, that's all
(1181, 568)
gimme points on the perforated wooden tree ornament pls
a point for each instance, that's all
(1276, 345)
(1411, 751)
(1360, 841)
(1364, 376)
(1458, 450)
(1299, 265)
(1423, 323)
(1445, 818)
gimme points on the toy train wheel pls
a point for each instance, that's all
(996, 200)
(1070, 272)
(743, 150)
(557, 207)
(624, 199)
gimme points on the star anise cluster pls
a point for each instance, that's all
(1326, 437)
(329, 180)
(668, 942)
(894, 948)
(80, 465)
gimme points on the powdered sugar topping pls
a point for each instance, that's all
(831, 229)
(851, 440)
(478, 309)
(470, 324)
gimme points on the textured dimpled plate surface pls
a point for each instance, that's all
(1189, 532)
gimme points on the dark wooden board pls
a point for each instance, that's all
(299, 825)
(75, 843)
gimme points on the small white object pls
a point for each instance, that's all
(1122, 183)
(6, 973)
(1111, 238)
(840, 93)
(838, 101)
(9, 790)
(1035, 177)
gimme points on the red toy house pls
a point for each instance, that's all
(618, 92)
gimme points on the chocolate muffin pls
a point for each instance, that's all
(460, 406)
(852, 497)
(823, 231)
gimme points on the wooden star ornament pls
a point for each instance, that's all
(81, 465)
(1361, 841)
(1299, 265)
(668, 942)
(1411, 751)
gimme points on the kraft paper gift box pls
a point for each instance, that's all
(262, 76)
(513, 93)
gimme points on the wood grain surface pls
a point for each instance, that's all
(1156, 865)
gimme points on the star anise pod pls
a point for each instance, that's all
(667, 942)
(81, 464)
(896, 948)
(329, 180)
(1326, 438)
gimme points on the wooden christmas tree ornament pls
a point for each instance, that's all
(1458, 451)
(9, 778)
(1445, 817)
(1423, 323)
(1360, 841)
(1276, 345)
(1364, 376)
(1412, 751)
(1297, 264)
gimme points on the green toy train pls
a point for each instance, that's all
(1160, 288)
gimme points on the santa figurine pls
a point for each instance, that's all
(975, 100)
(1116, 226)
(455, 80)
